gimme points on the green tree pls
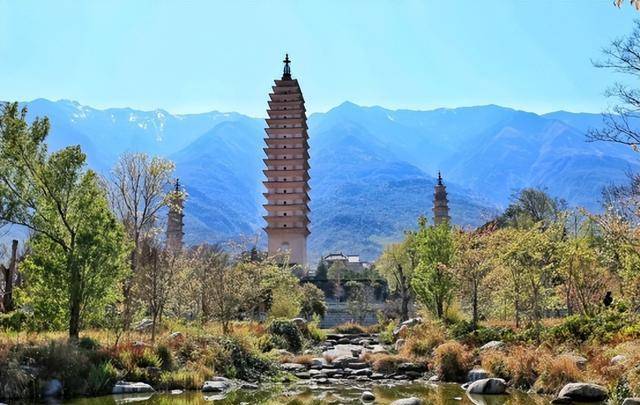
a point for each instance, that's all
(77, 240)
(313, 301)
(433, 282)
(529, 207)
(397, 265)
(472, 265)
(530, 255)
(360, 299)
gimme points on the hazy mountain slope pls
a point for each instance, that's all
(222, 171)
(372, 169)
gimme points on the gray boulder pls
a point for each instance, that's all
(631, 401)
(367, 396)
(488, 386)
(175, 336)
(126, 387)
(144, 324)
(217, 385)
(583, 392)
(493, 345)
(411, 367)
(399, 344)
(344, 361)
(53, 388)
(580, 361)
(477, 374)
(299, 322)
(400, 330)
(619, 359)
(292, 367)
(407, 401)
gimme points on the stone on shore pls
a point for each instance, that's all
(488, 386)
(631, 401)
(477, 374)
(407, 401)
(579, 361)
(126, 387)
(582, 392)
(299, 322)
(367, 396)
(217, 385)
(493, 345)
(292, 367)
(53, 388)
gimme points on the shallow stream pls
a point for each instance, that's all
(443, 394)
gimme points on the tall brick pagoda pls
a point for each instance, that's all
(440, 203)
(287, 170)
(175, 220)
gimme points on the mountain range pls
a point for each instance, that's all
(372, 169)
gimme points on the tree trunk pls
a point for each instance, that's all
(74, 309)
(154, 318)
(10, 274)
(475, 306)
(404, 311)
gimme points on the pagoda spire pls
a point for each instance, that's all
(286, 73)
(175, 220)
(440, 203)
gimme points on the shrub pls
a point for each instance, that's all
(166, 357)
(522, 367)
(185, 379)
(451, 362)
(350, 328)
(386, 333)
(101, 378)
(148, 359)
(13, 320)
(385, 363)
(555, 373)
(495, 362)
(314, 332)
(422, 339)
(16, 382)
(88, 343)
(287, 330)
(233, 359)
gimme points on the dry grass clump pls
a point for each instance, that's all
(304, 359)
(328, 358)
(522, 366)
(451, 362)
(555, 373)
(495, 362)
(384, 363)
(350, 328)
(422, 339)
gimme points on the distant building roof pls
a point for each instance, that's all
(335, 257)
(353, 258)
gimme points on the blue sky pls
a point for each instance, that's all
(193, 56)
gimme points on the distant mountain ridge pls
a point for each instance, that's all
(372, 169)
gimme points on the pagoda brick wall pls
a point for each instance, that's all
(287, 173)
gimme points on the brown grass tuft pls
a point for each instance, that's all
(451, 362)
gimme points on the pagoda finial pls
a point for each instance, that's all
(439, 178)
(286, 73)
(177, 184)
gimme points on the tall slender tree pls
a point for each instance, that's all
(75, 235)
(138, 191)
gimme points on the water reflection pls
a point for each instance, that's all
(445, 394)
